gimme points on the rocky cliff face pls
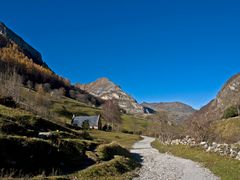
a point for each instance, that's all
(227, 97)
(8, 36)
(176, 111)
(107, 90)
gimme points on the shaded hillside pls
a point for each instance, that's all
(176, 111)
(7, 36)
(107, 90)
(18, 56)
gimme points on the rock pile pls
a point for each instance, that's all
(231, 150)
(185, 141)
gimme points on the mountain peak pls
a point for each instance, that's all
(107, 90)
(104, 80)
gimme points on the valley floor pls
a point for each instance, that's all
(163, 166)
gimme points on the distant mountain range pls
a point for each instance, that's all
(107, 90)
(176, 111)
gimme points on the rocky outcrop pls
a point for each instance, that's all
(227, 97)
(107, 90)
(176, 111)
(8, 36)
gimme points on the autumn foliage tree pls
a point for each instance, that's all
(13, 55)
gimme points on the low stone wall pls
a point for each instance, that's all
(231, 150)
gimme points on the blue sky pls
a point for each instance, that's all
(159, 50)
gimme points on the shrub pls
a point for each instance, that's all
(89, 145)
(107, 152)
(86, 135)
(16, 129)
(230, 112)
(127, 131)
(85, 125)
(72, 152)
(8, 101)
(107, 127)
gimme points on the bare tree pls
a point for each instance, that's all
(39, 88)
(111, 113)
(29, 84)
(11, 83)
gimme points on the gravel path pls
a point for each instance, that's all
(156, 166)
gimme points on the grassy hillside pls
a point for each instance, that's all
(223, 167)
(226, 130)
(134, 124)
(125, 140)
(70, 151)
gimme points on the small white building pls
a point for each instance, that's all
(94, 121)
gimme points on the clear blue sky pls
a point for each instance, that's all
(160, 50)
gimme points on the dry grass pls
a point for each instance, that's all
(227, 130)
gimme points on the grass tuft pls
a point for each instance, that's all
(107, 152)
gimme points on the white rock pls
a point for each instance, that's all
(210, 149)
(203, 143)
(205, 146)
(214, 144)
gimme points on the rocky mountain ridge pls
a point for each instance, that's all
(228, 96)
(107, 90)
(8, 36)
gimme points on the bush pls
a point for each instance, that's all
(107, 152)
(107, 127)
(127, 132)
(85, 125)
(8, 101)
(88, 145)
(16, 129)
(230, 112)
(72, 152)
(86, 135)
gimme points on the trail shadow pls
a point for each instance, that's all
(137, 157)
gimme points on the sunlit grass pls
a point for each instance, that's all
(223, 167)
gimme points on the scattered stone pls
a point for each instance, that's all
(45, 135)
(231, 150)
(214, 145)
(203, 143)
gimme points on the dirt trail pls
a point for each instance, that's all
(157, 166)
